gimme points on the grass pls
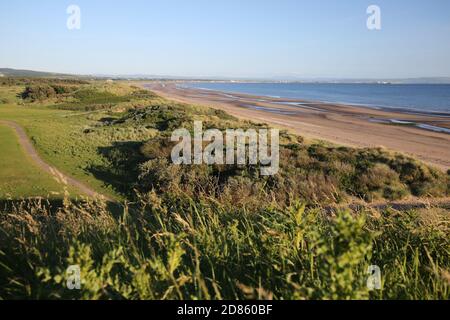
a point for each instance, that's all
(19, 176)
(211, 232)
(56, 135)
(53, 136)
(185, 248)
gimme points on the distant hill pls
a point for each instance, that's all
(8, 72)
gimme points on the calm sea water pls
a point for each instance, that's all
(413, 97)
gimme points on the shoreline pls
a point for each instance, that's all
(348, 125)
(308, 103)
(402, 110)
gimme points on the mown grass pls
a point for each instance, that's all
(19, 176)
(54, 136)
(214, 232)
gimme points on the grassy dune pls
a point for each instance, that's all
(211, 232)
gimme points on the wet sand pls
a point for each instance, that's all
(342, 124)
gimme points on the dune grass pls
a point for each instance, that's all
(179, 247)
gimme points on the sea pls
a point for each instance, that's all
(422, 98)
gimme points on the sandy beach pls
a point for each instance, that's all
(341, 124)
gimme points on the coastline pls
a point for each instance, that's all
(321, 100)
(412, 133)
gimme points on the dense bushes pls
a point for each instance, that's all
(90, 99)
(44, 89)
(41, 92)
(76, 95)
(38, 92)
(299, 177)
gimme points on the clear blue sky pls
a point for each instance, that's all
(254, 38)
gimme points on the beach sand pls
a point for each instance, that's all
(341, 124)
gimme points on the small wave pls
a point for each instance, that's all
(432, 128)
(412, 124)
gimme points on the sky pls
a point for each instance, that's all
(229, 38)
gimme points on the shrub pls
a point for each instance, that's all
(38, 92)
(63, 89)
(380, 182)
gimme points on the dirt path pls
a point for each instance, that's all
(31, 151)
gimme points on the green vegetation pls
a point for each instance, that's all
(60, 135)
(18, 81)
(211, 232)
(315, 174)
(43, 92)
(19, 175)
(185, 248)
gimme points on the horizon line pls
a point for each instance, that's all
(280, 77)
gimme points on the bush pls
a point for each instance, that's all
(380, 182)
(64, 89)
(38, 93)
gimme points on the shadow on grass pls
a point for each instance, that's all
(122, 171)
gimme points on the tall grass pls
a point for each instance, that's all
(177, 247)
